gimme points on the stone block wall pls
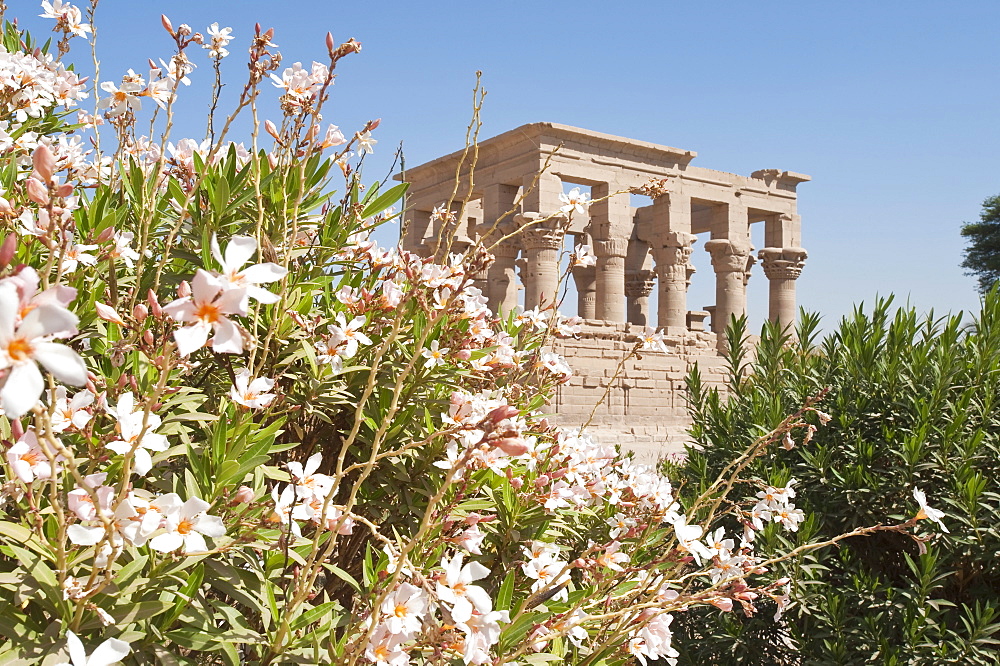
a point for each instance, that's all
(645, 409)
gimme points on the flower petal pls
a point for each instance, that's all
(76, 652)
(191, 338)
(64, 363)
(211, 526)
(268, 272)
(109, 652)
(239, 251)
(47, 319)
(167, 542)
(21, 391)
(227, 338)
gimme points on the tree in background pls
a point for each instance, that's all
(982, 256)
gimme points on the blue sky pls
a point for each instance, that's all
(890, 106)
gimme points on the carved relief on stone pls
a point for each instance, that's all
(783, 263)
(639, 284)
(729, 256)
(614, 247)
(508, 249)
(673, 260)
(541, 232)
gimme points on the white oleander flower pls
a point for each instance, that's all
(206, 309)
(25, 344)
(186, 524)
(136, 433)
(234, 276)
(252, 394)
(574, 201)
(111, 651)
(219, 39)
(926, 511)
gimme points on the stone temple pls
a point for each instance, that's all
(640, 251)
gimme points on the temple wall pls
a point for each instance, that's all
(645, 410)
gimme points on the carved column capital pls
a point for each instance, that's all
(639, 284)
(783, 263)
(614, 247)
(540, 238)
(541, 232)
(508, 249)
(729, 256)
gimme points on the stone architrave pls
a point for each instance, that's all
(638, 286)
(673, 270)
(730, 261)
(782, 266)
(542, 239)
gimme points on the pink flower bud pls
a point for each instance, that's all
(580, 563)
(542, 481)
(272, 160)
(463, 354)
(372, 124)
(243, 495)
(7, 250)
(107, 313)
(167, 25)
(37, 192)
(64, 190)
(330, 44)
(106, 235)
(154, 305)
(5, 207)
(147, 337)
(723, 604)
(44, 162)
(503, 412)
(512, 446)
(517, 482)
(271, 129)
(140, 312)
(183, 289)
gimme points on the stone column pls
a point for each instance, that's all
(586, 286)
(501, 288)
(502, 283)
(729, 259)
(542, 243)
(611, 226)
(638, 285)
(610, 287)
(673, 274)
(782, 266)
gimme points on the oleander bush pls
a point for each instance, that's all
(237, 430)
(913, 401)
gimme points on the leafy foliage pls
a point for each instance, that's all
(982, 255)
(914, 404)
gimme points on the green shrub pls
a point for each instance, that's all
(913, 401)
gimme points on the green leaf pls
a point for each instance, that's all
(384, 200)
(506, 592)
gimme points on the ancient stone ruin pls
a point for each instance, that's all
(517, 180)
